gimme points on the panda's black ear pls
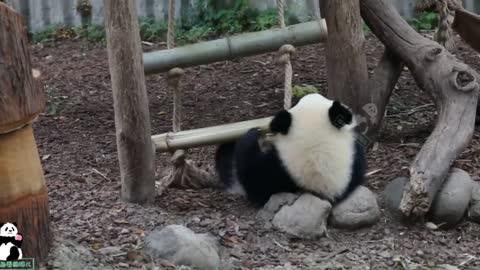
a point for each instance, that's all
(281, 122)
(339, 115)
(15, 224)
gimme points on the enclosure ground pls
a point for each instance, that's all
(76, 138)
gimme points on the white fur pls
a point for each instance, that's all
(318, 155)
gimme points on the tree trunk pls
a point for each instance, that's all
(132, 118)
(346, 61)
(380, 87)
(23, 193)
(454, 88)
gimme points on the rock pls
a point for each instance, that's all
(182, 246)
(451, 202)
(67, 254)
(392, 196)
(276, 202)
(305, 218)
(474, 210)
(360, 209)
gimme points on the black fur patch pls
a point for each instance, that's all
(281, 122)
(339, 115)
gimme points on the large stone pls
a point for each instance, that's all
(70, 255)
(451, 202)
(181, 246)
(305, 218)
(274, 204)
(360, 209)
(474, 210)
(392, 196)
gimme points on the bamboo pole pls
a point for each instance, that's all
(172, 141)
(242, 45)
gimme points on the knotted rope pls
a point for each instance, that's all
(182, 172)
(286, 52)
(444, 34)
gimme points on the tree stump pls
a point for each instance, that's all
(454, 88)
(23, 193)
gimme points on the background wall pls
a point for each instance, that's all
(42, 13)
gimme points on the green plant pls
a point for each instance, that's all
(300, 91)
(427, 20)
(205, 20)
(150, 30)
(91, 32)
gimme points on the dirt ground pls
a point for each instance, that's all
(76, 138)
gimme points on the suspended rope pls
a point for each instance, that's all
(286, 52)
(182, 172)
(444, 34)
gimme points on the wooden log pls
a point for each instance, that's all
(452, 84)
(20, 100)
(347, 68)
(380, 86)
(467, 25)
(132, 118)
(23, 193)
(345, 56)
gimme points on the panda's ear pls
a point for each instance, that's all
(15, 224)
(339, 115)
(281, 122)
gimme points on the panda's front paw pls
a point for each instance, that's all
(250, 139)
(18, 237)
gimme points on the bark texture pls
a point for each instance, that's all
(23, 193)
(346, 61)
(132, 118)
(20, 100)
(454, 88)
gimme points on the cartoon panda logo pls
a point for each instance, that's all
(10, 242)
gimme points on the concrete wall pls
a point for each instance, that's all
(42, 13)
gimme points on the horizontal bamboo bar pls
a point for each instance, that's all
(172, 141)
(241, 45)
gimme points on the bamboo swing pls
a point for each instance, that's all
(182, 172)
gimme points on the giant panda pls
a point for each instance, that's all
(311, 148)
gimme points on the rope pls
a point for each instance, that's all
(442, 32)
(171, 25)
(281, 13)
(286, 52)
(173, 80)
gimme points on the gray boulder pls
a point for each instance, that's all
(181, 246)
(392, 196)
(451, 202)
(474, 210)
(305, 218)
(276, 201)
(360, 209)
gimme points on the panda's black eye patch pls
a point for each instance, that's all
(339, 115)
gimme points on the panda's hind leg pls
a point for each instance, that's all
(224, 164)
(14, 254)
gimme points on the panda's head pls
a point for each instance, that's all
(8, 229)
(314, 114)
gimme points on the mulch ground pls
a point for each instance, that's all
(76, 139)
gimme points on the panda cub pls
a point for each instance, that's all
(10, 242)
(312, 148)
